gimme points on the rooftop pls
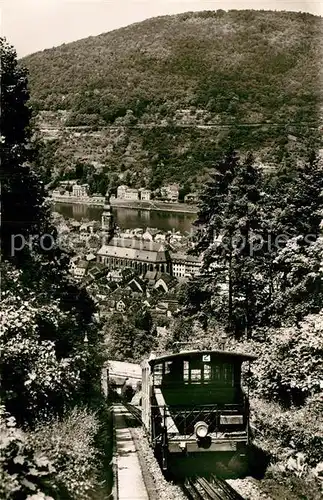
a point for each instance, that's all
(179, 256)
(188, 354)
(134, 250)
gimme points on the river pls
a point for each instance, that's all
(128, 218)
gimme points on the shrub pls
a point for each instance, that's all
(288, 433)
(24, 471)
(57, 460)
(290, 366)
(69, 445)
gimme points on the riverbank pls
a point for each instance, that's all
(134, 205)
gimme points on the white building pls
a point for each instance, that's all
(145, 194)
(160, 237)
(170, 192)
(150, 234)
(147, 236)
(79, 269)
(185, 265)
(121, 192)
(80, 191)
(126, 193)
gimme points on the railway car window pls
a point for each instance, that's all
(158, 374)
(168, 366)
(227, 374)
(223, 374)
(217, 373)
(196, 375)
(207, 373)
(186, 372)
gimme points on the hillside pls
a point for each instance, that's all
(164, 97)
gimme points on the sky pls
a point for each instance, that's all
(32, 25)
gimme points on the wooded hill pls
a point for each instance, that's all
(209, 79)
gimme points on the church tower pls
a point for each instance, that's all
(107, 222)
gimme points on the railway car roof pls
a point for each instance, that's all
(225, 354)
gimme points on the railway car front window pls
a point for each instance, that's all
(197, 372)
(196, 376)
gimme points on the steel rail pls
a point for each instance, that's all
(217, 489)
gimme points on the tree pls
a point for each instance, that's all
(302, 211)
(296, 260)
(23, 210)
(231, 219)
(298, 288)
(290, 368)
(45, 364)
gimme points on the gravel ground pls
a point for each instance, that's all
(164, 490)
(248, 489)
(278, 488)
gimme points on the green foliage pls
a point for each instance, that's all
(231, 224)
(46, 367)
(286, 433)
(290, 367)
(68, 444)
(22, 196)
(253, 71)
(55, 461)
(23, 470)
(130, 337)
(44, 362)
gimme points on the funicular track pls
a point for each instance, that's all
(134, 411)
(197, 488)
(214, 489)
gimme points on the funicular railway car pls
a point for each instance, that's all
(193, 403)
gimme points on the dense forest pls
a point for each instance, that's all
(195, 82)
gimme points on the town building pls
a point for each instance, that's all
(150, 277)
(121, 192)
(58, 192)
(122, 304)
(165, 282)
(116, 373)
(79, 269)
(184, 265)
(149, 234)
(136, 254)
(191, 198)
(160, 237)
(126, 193)
(80, 191)
(145, 194)
(70, 182)
(170, 192)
